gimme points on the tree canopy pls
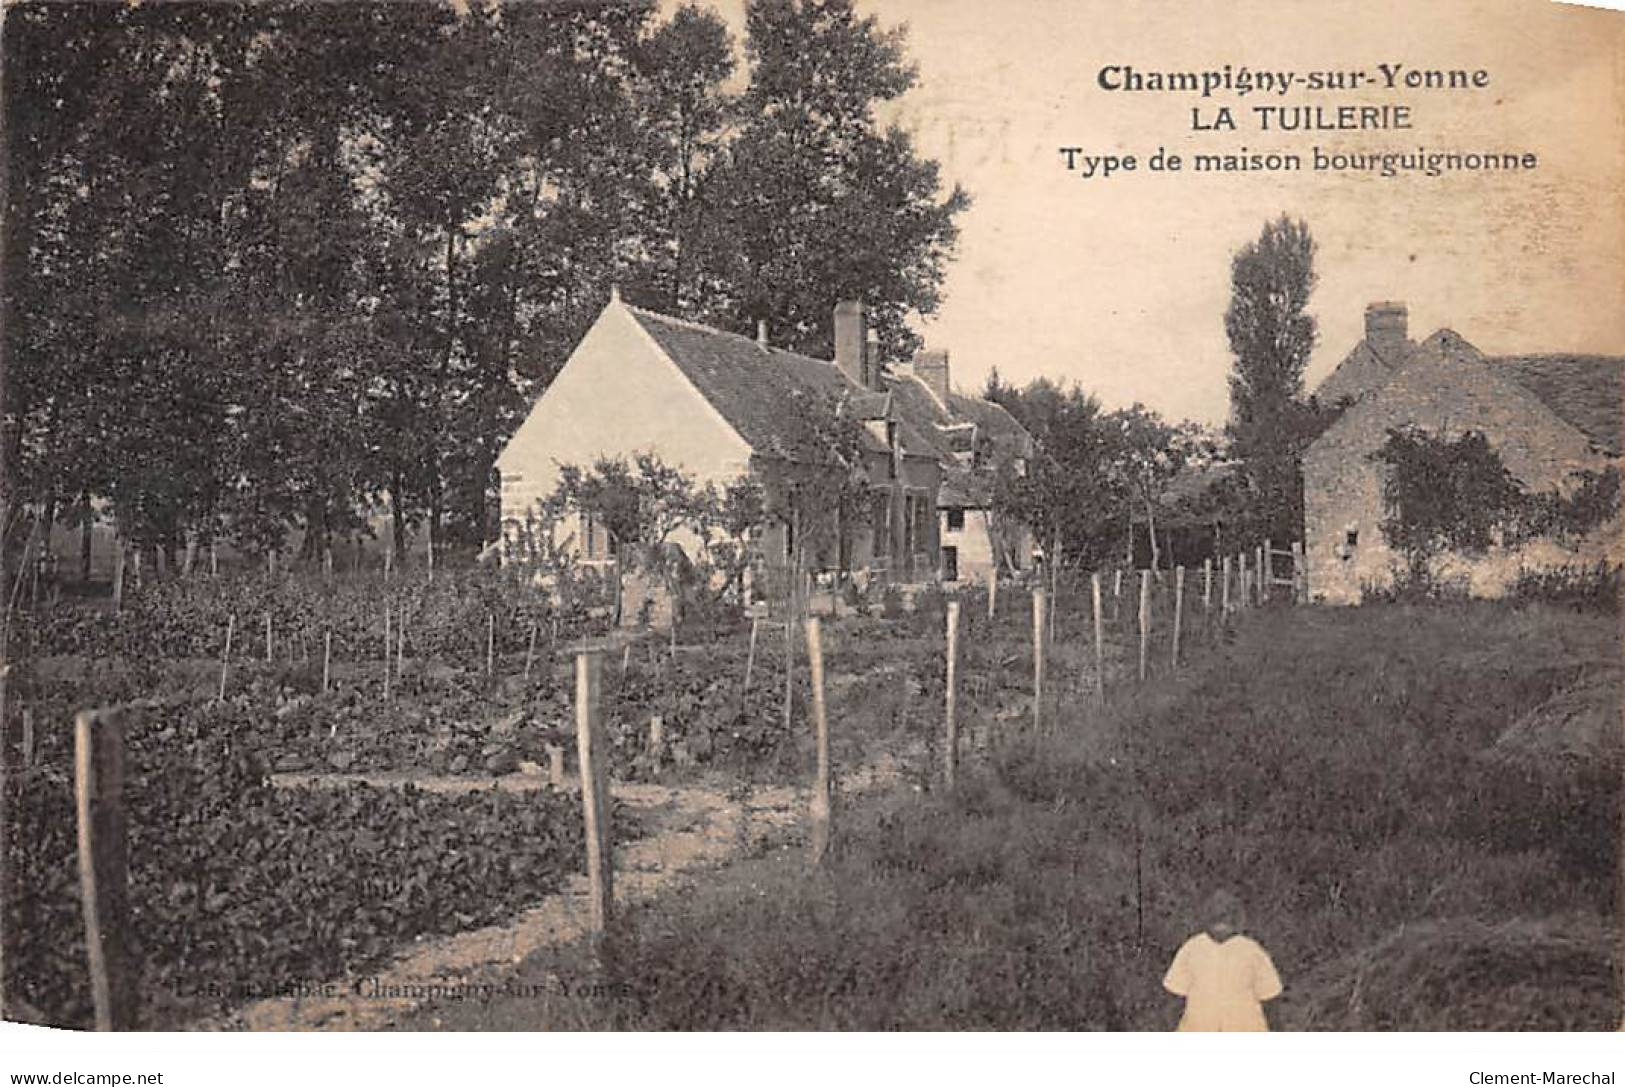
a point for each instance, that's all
(1271, 333)
(269, 263)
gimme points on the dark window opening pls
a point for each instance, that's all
(956, 520)
(1351, 538)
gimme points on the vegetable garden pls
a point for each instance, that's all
(243, 885)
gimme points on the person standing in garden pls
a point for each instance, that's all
(1224, 976)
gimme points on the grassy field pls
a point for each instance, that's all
(1338, 767)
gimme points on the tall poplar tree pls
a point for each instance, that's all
(1271, 334)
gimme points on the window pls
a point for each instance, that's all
(956, 520)
(1351, 538)
(595, 542)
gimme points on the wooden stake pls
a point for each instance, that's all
(1300, 576)
(388, 630)
(626, 659)
(28, 737)
(592, 756)
(400, 649)
(530, 649)
(491, 644)
(750, 655)
(1100, 640)
(267, 637)
(327, 659)
(118, 576)
(818, 812)
(993, 591)
(104, 865)
(657, 732)
(428, 547)
(1145, 619)
(1207, 590)
(1224, 589)
(1179, 608)
(1117, 595)
(214, 559)
(950, 753)
(1268, 567)
(1260, 585)
(225, 658)
(1038, 660)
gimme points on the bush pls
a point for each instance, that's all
(1595, 589)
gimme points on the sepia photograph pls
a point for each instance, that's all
(578, 516)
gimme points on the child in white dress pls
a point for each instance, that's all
(1225, 977)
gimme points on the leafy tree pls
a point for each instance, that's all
(730, 517)
(639, 503)
(821, 203)
(1271, 334)
(1148, 453)
(1068, 494)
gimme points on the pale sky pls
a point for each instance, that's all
(1121, 284)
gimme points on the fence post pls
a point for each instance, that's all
(28, 737)
(225, 657)
(819, 813)
(491, 644)
(1269, 568)
(530, 650)
(104, 864)
(1038, 660)
(1145, 619)
(1300, 575)
(1260, 586)
(1100, 641)
(950, 754)
(327, 563)
(1117, 594)
(268, 656)
(388, 630)
(327, 658)
(389, 559)
(214, 559)
(118, 575)
(1207, 591)
(1179, 608)
(592, 755)
(993, 591)
(400, 648)
(1224, 589)
(750, 655)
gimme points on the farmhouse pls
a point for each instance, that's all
(1548, 417)
(721, 406)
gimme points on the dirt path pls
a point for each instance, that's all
(690, 828)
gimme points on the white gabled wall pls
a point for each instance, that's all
(617, 395)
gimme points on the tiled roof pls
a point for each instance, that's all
(763, 392)
(1585, 391)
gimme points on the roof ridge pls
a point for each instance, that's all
(696, 326)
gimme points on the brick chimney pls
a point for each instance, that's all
(1386, 331)
(851, 341)
(931, 367)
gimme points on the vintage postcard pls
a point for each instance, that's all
(813, 515)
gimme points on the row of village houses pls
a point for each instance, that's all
(721, 405)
